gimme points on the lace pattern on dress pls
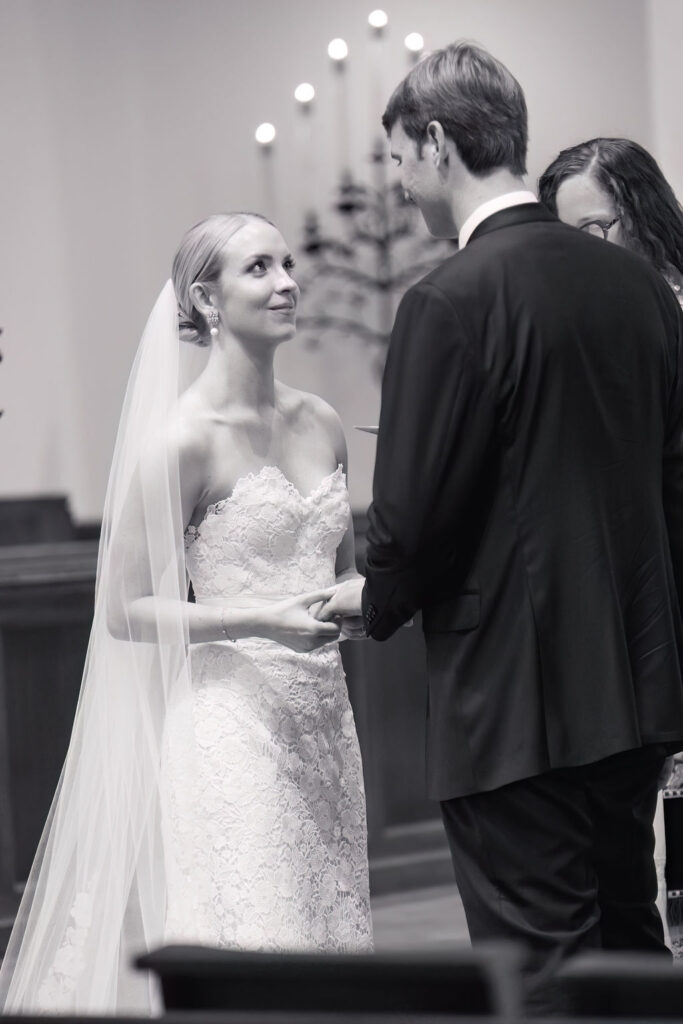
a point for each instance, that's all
(267, 842)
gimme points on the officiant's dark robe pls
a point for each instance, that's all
(528, 497)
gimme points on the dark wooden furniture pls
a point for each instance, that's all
(46, 604)
(622, 985)
(35, 520)
(484, 981)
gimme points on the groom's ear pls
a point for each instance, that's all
(436, 143)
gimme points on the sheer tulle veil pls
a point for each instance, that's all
(96, 893)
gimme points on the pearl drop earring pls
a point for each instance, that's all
(213, 319)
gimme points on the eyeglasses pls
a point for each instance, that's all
(599, 228)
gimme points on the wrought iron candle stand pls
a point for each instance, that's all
(380, 249)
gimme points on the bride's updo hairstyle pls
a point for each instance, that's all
(200, 259)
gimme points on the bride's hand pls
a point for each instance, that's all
(291, 622)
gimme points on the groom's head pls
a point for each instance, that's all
(458, 113)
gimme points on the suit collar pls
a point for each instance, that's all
(511, 215)
(491, 206)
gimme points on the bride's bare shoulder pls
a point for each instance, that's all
(311, 412)
(188, 433)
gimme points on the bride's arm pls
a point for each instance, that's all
(135, 612)
(345, 604)
(345, 564)
(331, 424)
(285, 621)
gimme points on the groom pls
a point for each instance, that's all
(528, 498)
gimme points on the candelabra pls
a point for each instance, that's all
(379, 249)
(354, 272)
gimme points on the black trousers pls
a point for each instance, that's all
(562, 862)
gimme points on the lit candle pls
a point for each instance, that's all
(378, 21)
(338, 52)
(304, 95)
(414, 44)
(265, 136)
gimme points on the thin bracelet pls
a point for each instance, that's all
(225, 628)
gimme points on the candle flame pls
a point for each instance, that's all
(414, 42)
(378, 19)
(265, 133)
(304, 93)
(338, 50)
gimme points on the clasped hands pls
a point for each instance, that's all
(343, 606)
(309, 621)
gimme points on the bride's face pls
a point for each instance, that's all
(257, 295)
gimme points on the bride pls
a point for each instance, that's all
(212, 791)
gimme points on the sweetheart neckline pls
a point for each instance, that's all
(217, 506)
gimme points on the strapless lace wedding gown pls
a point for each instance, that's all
(264, 808)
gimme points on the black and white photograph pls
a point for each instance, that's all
(341, 511)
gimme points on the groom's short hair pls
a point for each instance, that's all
(479, 104)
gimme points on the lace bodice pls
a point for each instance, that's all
(268, 538)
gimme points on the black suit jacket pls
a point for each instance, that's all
(528, 497)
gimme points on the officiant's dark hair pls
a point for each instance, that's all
(651, 216)
(478, 103)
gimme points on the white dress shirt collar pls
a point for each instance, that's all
(490, 207)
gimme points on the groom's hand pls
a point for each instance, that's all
(345, 602)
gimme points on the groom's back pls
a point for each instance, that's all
(579, 641)
(578, 341)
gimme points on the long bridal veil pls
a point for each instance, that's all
(96, 894)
